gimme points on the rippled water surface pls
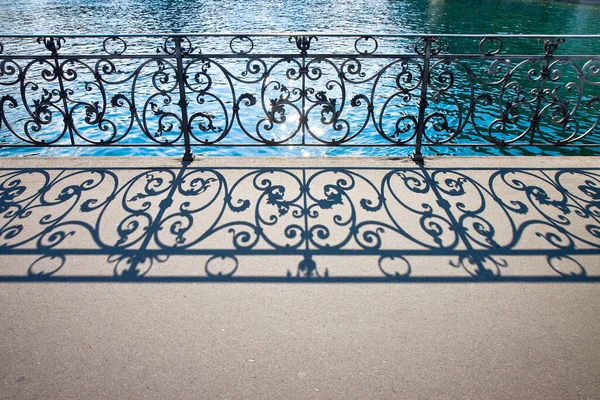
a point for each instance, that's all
(400, 16)
(376, 16)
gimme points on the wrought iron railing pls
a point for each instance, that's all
(299, 89)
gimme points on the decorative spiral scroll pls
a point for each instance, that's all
(362, 45)
(241, 41)
(52, 44)
(551, 45)
(180, 96)
(436, 46)
(114, 45)
(303, 42)
(490, 46)
(169, 46)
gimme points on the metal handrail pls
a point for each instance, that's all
(307, 33)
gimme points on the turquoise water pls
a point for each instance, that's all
(351, 16)
(377, 16)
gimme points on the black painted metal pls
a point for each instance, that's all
(299, 89)
(183, 103)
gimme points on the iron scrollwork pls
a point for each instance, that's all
(365, 94)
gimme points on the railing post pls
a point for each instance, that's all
(188, 155)
(417, 155)
(550, 46)
(53, 45)
(303, 44)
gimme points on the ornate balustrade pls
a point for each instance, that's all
(202, 90)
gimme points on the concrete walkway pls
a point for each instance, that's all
(300, 278)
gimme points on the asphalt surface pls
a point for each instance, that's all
(531, 331)
(298, 341)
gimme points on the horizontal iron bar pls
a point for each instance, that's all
(214, 56)
(318, 34)
(358, 56)
(323, 145)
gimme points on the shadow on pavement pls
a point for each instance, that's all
(195, 224)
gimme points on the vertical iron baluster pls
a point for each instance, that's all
(54, 45)
(418, 155)
(188, 155)
(303, 44)
(550, 46)
(303, 117)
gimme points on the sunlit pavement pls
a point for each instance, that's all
(299, 278)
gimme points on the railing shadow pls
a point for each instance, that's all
(299, 224)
